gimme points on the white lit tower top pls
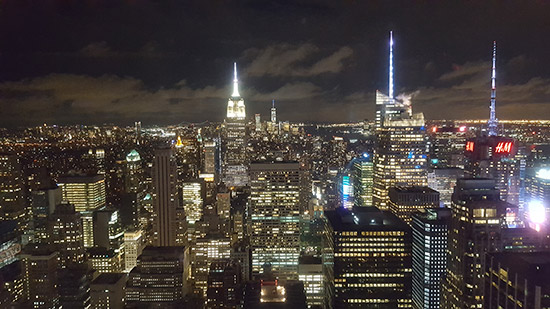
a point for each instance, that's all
(235, 104)
(492, 124)
(273, 112)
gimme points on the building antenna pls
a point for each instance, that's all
(493, 121)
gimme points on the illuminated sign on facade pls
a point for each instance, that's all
(470, 146)
(504, 147)
(8, 252)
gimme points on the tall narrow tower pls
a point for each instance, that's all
(492, 124)
(235, 168)
(273, 112)
(390, 83)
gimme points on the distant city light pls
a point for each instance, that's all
(537, 212)
(543, 173)
(462, 129)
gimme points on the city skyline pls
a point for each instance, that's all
(151, 72)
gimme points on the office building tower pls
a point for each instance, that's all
(108, 230)
(225, 285)
(85, 192)
(209, 151)
(345, 191)
(223, 204)
(443, 180)
(43, 202)
(240, 252)
(134, 189)
(66, 235)
(74, 286)
(192, 193)
(537, 187)
(495, 157)
(98, 158)
(446, 146)
(235, 160)
(429, 256)
(475, 229)
(310, 272)
(108, 291)
(273, 112)
(400, 156)
(165, 198)
(11, 277)
(88, 228)
(362, 175)
(12, 191)
(133, 246)
(275, 213)
(367, 256)
(405, 201)
(159, 279)
(12, 287)
(207, 249)
(137, 129)
(517, 280)
(39, 268)
(258, 122)
(104, 260)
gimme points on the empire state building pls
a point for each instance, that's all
(235, 162)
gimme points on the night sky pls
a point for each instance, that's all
(167, 62)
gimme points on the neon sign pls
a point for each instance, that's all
(503, 147)
(470, 146)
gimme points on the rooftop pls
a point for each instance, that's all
(108, 278)
(364, 219)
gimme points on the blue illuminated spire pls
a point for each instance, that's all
(390, 91)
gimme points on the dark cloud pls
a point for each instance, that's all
(168, 61)
(288, 60)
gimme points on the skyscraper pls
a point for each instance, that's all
(367, 256)
(273, 113)
(405, 201)
(12, 192)
(235, 161)
(39, 268)
(400, 157)
(275, 213)
(475, 229)
(429, 256)
(192, 200)
(362, 172)
(67, 235)
(85, 192)
(401, 145)
(165, 198)
(517, 280)
(160, 277)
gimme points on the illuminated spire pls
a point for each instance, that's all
(492, 124)
(235, 82)
(390, 91)
(273, 103)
